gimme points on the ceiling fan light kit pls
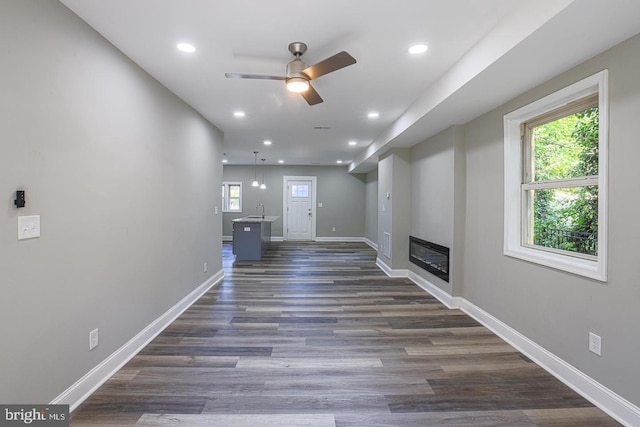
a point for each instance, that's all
(297, 84)
(298, 75)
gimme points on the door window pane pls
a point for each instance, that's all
(298, 190)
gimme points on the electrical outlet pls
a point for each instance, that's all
(93, 339)
(205, 267)
(595, 344)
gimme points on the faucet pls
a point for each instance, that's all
(260, 205)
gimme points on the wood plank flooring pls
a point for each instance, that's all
(316, 335)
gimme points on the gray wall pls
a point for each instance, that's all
(371, 209)
(556, 309)
(125, 177)
(437, 178)
(342, 196)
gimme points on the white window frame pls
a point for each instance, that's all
(514, 156)
(225, 198)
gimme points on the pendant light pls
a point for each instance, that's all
(255, 182)
(263, 186)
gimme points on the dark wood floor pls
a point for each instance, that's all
(316, 335)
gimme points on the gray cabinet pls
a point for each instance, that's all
(251, 239)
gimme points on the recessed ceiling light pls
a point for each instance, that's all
(339, 162)
(373, 115)
(224, 160)
(352, 143)
(267, 142)
(280, 161)
(417, 49)
(186, 47)
(238, 114)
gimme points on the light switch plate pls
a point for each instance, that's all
(595, 344)
(28, 227)
(93, 339)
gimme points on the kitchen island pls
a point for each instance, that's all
(251, 236)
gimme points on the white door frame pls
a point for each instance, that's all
(285, 210)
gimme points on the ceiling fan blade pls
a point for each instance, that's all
(333, 63)
(252, 76)
(311, 96)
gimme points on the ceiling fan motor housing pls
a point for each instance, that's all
(294, 69)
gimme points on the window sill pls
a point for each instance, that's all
(571, 264)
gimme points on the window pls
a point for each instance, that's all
(300, 190)
(555, 179)
(231, 197)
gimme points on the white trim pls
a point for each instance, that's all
(613, 404)
(513, 209)
(277, 239)
(584, 181)
(370, 243)
(285, 210)
(442, 296)
(227, 238)
(389, 271)
(89, 383)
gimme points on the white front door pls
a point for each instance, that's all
(300, 221)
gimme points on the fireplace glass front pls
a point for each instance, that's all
(432, 257)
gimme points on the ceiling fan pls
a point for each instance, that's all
(299, 75)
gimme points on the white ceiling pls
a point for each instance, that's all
(481, 53)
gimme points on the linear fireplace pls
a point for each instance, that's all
(432, 257)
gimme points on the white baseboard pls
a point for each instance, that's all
(613, 404)
(227, 238)
(277, 239)
(93, 379)
(389, 271)
(371, 243)
(442, 296)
